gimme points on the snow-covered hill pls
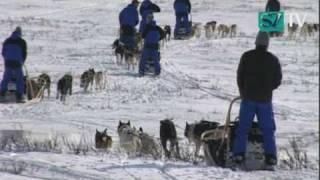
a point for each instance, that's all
(198, 80)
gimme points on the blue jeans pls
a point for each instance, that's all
(147, 55)
(264, 112)
(10, 73)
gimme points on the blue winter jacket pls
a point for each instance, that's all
(148, 7)
(182, 6)
(152, 34)
(129, 16)
(14, 49)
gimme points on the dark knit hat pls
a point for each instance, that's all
(17, 31)
(135, 2)
(262, 39)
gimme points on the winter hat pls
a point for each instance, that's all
(262, 39)
(135, 2)
(17, 32)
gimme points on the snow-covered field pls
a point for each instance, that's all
(198, 80)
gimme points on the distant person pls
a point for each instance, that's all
(259, 73)
(182, 10)
(129, 18)
(14, 52)
(152, 35)
(273, 6)
(147, 7)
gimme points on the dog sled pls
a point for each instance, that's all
(33, 92)
(218, 144)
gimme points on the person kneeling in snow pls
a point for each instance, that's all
(152, 34)
(259, 73)
(14, 52)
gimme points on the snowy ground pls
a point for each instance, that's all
(198, 81)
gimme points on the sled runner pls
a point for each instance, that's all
(33, 92)
(149, 68)
(218, 145)
(182, 34)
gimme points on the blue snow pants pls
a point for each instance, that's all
(147, 55)
(182, 21)
(10, 73)
(264, 112)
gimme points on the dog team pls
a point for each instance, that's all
(64, 86)
(136, 142)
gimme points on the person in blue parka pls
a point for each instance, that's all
(182, 10)
(147, 7)
(129, 18)
(152, 34)
(14, 52)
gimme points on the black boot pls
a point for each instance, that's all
(20, 98)
(2, 96)
(270, 162)
(238, 162)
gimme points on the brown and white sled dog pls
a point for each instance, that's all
(292, 30)
(100, 80)
(118, 51)
(129, 138)
(233, 30)
(131, 57)
(306, 30)
(44, 82)
(87, 79)
(103, 140)
(196, 30)
(210, 28)
(193, 132)
(223, 30)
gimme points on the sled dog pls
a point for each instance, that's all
(129, 138)
(103, 140)
(193, 132)
(64, 87)
(168, 133)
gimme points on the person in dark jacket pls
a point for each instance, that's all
(129, 18)
(14, 52)
(146, 8)
(259, 73)
(273, 5)
(182, 10)
(152, 34)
